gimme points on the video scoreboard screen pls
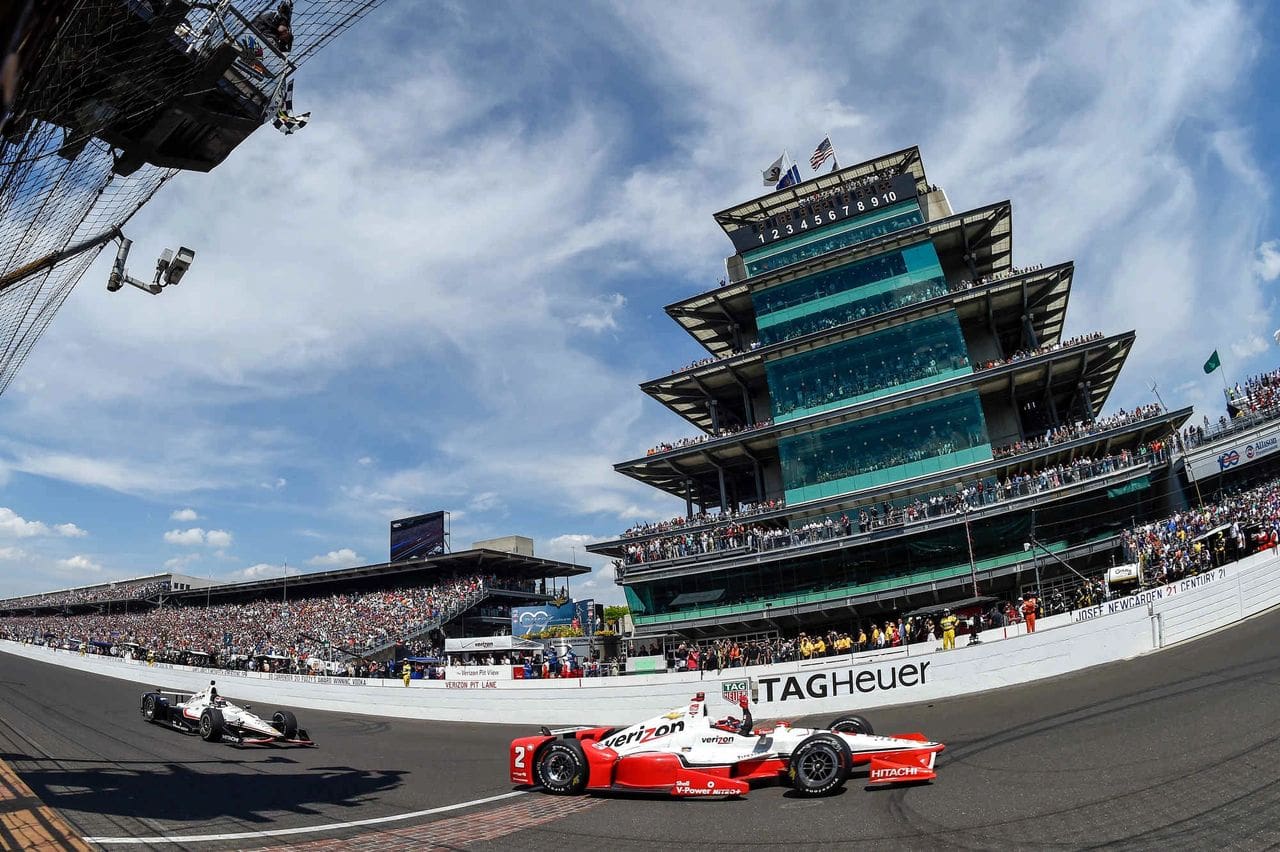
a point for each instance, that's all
(417, 537)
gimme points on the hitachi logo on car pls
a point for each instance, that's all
(897, 772)
(642, 734)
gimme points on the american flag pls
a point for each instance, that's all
(822, 152)
(285, 121)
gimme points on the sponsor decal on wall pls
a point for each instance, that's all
(1235, 456)
(847, 681)
(1149, 596)
(733, 691)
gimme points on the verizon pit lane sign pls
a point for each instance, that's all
(475, 677)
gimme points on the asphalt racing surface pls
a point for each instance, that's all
(1176, 750)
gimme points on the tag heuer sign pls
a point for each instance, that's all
(733, 691)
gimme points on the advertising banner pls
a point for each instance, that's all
(1237, 455)
(526, 620)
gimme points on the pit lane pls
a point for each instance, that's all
(1179, 749)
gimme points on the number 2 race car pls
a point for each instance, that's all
(218, 720)
(685, 753)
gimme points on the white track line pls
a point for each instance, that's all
(279, 832)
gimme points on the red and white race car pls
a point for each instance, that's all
(686, 753)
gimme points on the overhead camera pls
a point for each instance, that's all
(170, 268)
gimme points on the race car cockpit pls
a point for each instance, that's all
(743, 727)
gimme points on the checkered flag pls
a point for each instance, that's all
(285, 121)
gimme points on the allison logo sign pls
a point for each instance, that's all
(850, 681)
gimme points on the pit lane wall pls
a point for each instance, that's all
(1109, 632)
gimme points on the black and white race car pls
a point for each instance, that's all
(216, 719)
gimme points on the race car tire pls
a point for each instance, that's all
(212, 725)
(561, 768)
(149, 704)
(851, 724)
(820, 765)
(286, 723)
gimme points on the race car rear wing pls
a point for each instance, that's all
(559, 732)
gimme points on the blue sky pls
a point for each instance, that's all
(443, 292)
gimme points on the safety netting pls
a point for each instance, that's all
(106, 100)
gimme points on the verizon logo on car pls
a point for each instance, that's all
(642, 735)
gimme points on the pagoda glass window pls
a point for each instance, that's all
(855, 291)
(924, 439)
(906, 356)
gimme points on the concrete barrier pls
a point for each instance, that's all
(1063, 643)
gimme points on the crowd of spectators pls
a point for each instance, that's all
(1184, 544)
(1206, 537)
(711, 359)
(680, 522)
(1257, 400)
(711, 435)
(1081, 429)
(737, 536)
(128, 590)
(351, 625)
(1259, 393)
(1024, 354)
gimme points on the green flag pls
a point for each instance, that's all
(1213, 363)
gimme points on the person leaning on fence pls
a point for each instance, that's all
(277, 25)
(1029, 612)
(948, 625)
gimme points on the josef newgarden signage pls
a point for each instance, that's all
(848, 681)
(1149, 596)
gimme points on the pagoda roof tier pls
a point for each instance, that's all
(906, 161)
(978, 241)
(651, 472)
(998, 305)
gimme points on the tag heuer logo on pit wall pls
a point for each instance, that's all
(733, 691)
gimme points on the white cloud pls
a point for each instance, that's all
(280, 482)
(195, 536)
(185, 515)
(79, 564)
(364, 461)
(1267, 262)
(485, 501)
(12, 554)
(1250, 345)
(14, 525)
(342, 558)
(181, 562)
(600, 314)
(264, 571)
(218, 538)
(190, 537)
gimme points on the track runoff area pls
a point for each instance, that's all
(1177, 749)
